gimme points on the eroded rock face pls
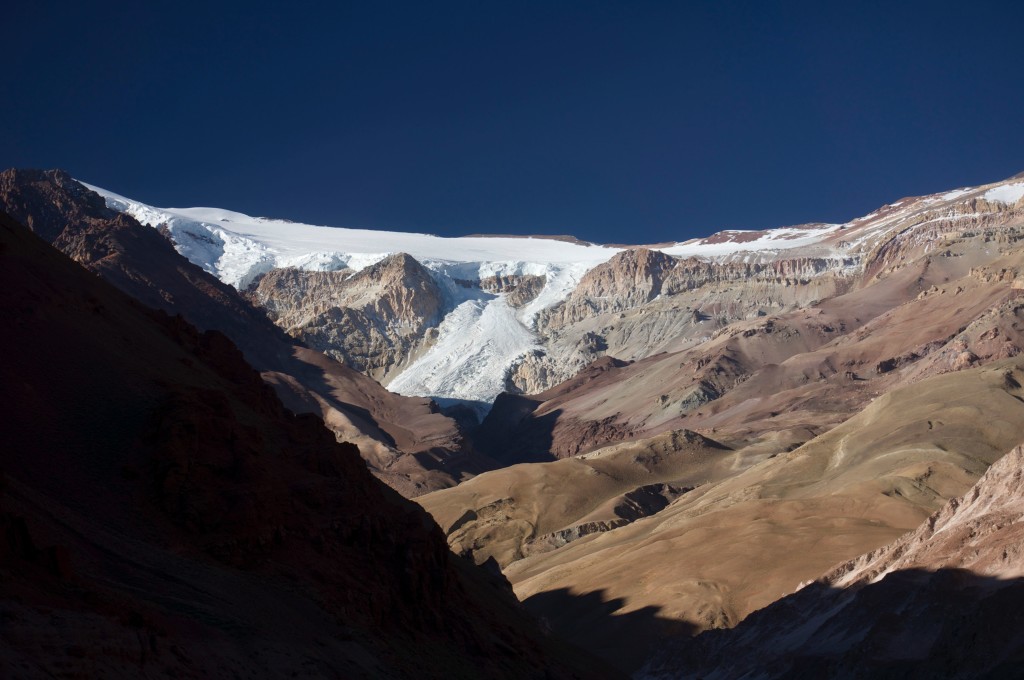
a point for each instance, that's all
(642, 302)
(629, 279)
(374, 320)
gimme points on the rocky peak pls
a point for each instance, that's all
(398, 288)
(637, 273)
(46, 201)
(373, 320)
(404, 263)
(519, 289)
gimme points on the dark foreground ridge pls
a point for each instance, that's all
(162, 514)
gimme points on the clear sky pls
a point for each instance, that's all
(629, 121)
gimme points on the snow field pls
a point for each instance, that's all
(1007, 193)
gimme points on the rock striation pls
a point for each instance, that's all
(642, 302)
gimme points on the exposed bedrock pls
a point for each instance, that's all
(374, 320)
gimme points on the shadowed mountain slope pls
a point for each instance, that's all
(164, 515)
(405, 440)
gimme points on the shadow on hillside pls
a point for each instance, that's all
(317, 380)
(511, 434)
(592, 621)
(468, 413)
(912, 624)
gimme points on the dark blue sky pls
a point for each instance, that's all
(615, 121)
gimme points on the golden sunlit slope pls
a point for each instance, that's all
(732, 546)
(533, 508)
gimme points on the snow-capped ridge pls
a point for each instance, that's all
(481, 335)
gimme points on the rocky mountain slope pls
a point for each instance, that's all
(937, 295)
(164, 515)
(750, 524)
(941, 601)
(846, 421)
(406, 442)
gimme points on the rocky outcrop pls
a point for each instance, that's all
(636, 277)
(629, 279)
(641, 502)
(937, 230)
(643, 302)
(374, 320)
(519, 290)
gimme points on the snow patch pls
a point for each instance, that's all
(477, 343)
(956, 193)
(1008, 193)
(561, 281)
(321, 261)
(772, 241)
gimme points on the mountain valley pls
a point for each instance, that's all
(672, 452)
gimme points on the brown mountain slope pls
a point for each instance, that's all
(534, 508)
(164, 515)
(944, 600)
(405, 440)
(641, 303)
(879, 384)
(729, 547)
